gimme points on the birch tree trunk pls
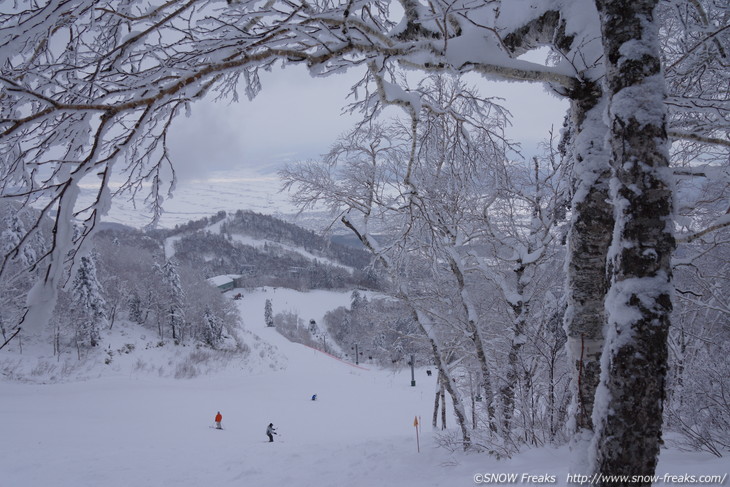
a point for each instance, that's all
(590, 236)
(443, 407)
(447, 382)
(512, 375)
(629, 404)
(439, 388)
(472, 331)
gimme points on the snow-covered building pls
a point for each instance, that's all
(224, 283)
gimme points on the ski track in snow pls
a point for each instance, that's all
(140, 430)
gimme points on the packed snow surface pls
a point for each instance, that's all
(133, 428)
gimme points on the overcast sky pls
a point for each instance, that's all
(297, 117)
(226, 154)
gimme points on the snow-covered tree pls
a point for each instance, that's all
(17, 279)
(134, 304)
(88, 301)
(462, 213)
(433, 214)
(268, 313)
(356, 300)
(173, 298)
(638, 303)
(212, 328)
(12, 235)
(523, 229)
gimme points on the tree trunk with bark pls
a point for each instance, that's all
(588, 242)
(439, 389)
(629, 407)
(512, 378)
(472, 331)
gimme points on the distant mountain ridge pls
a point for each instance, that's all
(266, 251)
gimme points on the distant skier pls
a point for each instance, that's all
(314, 397)
(270, 432)
(218, 419)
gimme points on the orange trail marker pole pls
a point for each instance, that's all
(418, 441)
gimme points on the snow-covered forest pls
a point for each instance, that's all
(573, 297)
(157, 278)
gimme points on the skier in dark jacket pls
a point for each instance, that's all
(270, 432)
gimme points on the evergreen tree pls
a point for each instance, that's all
(175, 297)
(268, 313)
(89, 304)
(12, 233)
(135, 308)
(355, 300)
(14, 285)
(213, 327)
(11, 237)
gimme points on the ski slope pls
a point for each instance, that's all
(137, 430)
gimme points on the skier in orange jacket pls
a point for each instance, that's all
(218, 419)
